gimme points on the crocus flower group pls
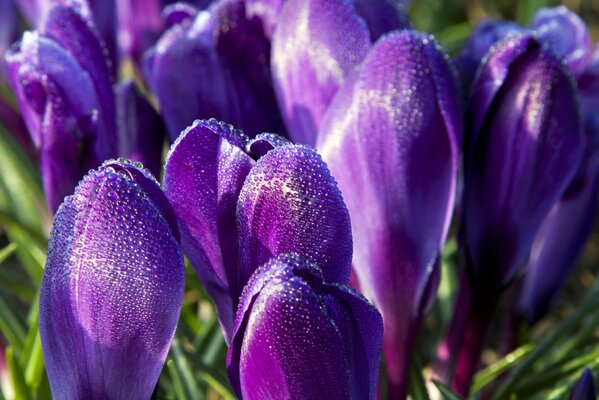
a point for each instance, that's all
(274, 230)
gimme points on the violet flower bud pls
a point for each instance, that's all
(299, 337)
(482, 38)
(112, 287)
(567, 34)
(236, 213)
(391, 138)
(524, 147)
(585, 387)
(214, 65)
(315, 47)
(141, 130)
(61, 81)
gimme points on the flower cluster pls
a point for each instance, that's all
(320, 245)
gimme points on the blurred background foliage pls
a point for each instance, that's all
(548, 358)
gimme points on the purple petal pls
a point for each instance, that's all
(297, 336)
(524, 128)
(290, 203)
(315, 46)
(267, 11)
(73, 32)
(383, 16)
(214, 66)
(141, 131)
(585, 387)
(203, 176)
(391, 139)
(112, 290)
(139, 25)
(482, 38)
(59, 105)
(560, 241)
(9, 29)
(567, 34)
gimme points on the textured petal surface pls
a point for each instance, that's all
(568, 35)
(482, 38)
(315, 46)
(524, 125)
(141, 130)
(383, 16)
(214, 66)
(76, 35)
(290, 203)
(59, 105)
(298, 337)
(203, 176)
(112, 289)
(394, 154)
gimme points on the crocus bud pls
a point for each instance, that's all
(61, 81)
(112, 287)
(482, 38)
(214, 65)
(315, 46)
(585, 387)
(391, 138)
(298, 336)
(567, 34)
(141, 130)
(236, 213)
(524, 146)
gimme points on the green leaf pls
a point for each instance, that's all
(446, 392)
(7, 251)
(11, 326)
(416, 385)
(184, 371)
(16, 375)
(550, 341)
(493, 371)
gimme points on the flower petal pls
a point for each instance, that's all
(290, 203)
(315, 46)
(291, 323)
(518, 139)
(112, 289)
(203, 176)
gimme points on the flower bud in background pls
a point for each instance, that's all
(523, 148)
(517, 139)
(482, 38)
(315, 46)
(567, 34)
(585, 387)
(297, 336)
(60, 77)
(215, 63)
(112, 287)
(242, 202)
(141, 130)
(9, 28)
(391, 138)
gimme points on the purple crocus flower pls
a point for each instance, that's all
(391, 138)
(316, 45)
(567, 34)
(112, 287)
(214, 63)
(297, 336)
(61, 79)
(585, 387)
(482, 38)
(524, 143)
(241, 202)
